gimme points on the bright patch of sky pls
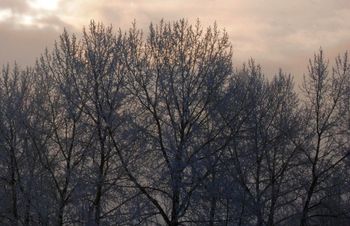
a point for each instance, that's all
(43, 4)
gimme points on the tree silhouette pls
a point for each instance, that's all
(159, 128)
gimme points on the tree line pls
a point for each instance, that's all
(159, 128)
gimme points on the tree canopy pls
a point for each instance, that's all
(159, 128)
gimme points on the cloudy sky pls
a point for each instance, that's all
(277, 33)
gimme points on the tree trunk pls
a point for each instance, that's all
(60, 213)
(212, 204)
(14, 209)
(303, 221)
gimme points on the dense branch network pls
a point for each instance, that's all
(159, 128)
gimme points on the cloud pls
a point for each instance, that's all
(26, 31)
(24, 45)
(276, 33)
(18, 6)
(270, 30)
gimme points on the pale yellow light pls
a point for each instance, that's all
(26, 20)
(5, 14)
(43, 4)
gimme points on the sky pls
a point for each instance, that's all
(276, 33)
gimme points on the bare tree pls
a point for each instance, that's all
(103, 90)
(14, 92)
(116, 128)
(173, 78)
(325, 148)
(262, 118)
